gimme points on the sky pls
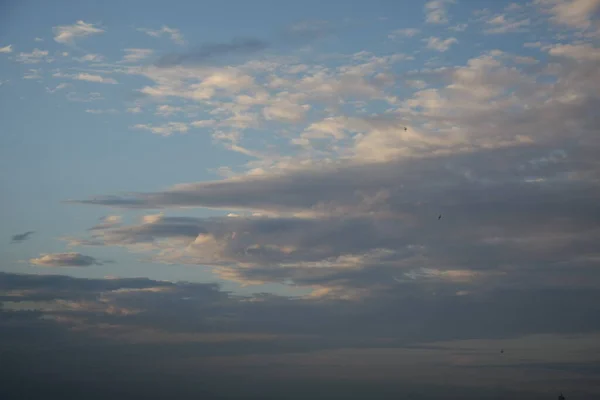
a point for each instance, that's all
(300, 199)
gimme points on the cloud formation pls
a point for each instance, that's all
(64, 260)
(6, 49)
(69, 34)
(174, 34)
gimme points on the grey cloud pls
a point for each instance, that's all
(21, 237)
(198, 331)
(294, 34)
(64, 260)
(210, 51)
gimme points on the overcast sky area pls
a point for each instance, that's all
(300, 199)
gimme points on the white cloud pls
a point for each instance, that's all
(174, 34)
(134, 110)
(580, 52)
(500, 24)
(458, 28)
(35, 57)
(135, 55)
(38, 39)
(90, 58)
(6, 49)
(32, 74)
(439, 44)
(68, 34)
(58, 87)
(400, 33)
(166, 110)
(165, 129)
(574, 13)
(437, 12)
(100, 111)
(94, 78)
(285, 111)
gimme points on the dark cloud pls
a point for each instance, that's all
(209, 51)
(21, 237)
(118, 328)
(294, 34)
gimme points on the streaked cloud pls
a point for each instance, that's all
(437, 11)
(64, 260)
(174, 34)
(69, 34)
(6, 49)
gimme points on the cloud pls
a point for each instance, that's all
(90, 58)
(64, 260)
(6, 49)
(500, 24)
(400, 33)
(210, 51)
(174, 34)
(58, 87)
(135, 55)
(84, 76)
(32, 74)
(165, 129)
(574, 13)
(580, 52)
(440, 44)
(35, 57)
(69, 34)
(437, 12)
(21, 237)
(100, 111)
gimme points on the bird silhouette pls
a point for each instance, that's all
(439, 217)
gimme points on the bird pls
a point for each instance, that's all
(502, 351)
(405, 128)
(561, 397)
(439, 217)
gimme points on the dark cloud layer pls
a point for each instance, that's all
(132, 332)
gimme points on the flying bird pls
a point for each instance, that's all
(439, 217)
(502, 351)
(405, 128)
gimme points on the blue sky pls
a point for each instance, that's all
(341, 153)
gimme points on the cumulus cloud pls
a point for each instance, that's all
(574, 13)
(174, 34)
(21, 237)
(69, 34)
(64, 260)
(6, 49)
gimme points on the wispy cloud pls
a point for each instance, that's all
(69, 34)
(437, 11)
(501, 24)
(165, 129)
(35, 57)
(402, 33)
(573, 13)
(6, 49)
(208, 51)
(135, 55)
(174, 34)
(440, 44)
